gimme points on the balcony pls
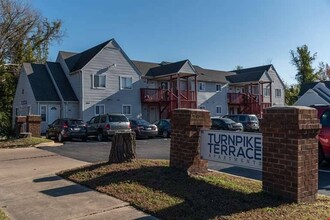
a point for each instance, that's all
(165, 95)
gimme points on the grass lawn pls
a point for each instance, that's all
(3, 216)
(154, 187)
(22, 142)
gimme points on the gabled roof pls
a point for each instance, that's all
(41, 83)
(306, 86)
(78, 61)
(144, 67)
(249, 74)
(208, 75)
(62, 81)
(166, 69)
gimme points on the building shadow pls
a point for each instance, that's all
(200, 199)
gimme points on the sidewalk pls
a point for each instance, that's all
(29, 189)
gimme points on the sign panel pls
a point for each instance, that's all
(237, 148)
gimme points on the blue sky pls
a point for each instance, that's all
(214, 34)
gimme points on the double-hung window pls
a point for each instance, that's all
(125, 82)
(218, 110)
(201, 86)
(267, 91)
(99, 81)
(218, 87)
(43, 112)
(127, 109)
(99, 109)
(278, 93)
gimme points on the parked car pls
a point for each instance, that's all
(324, 134)
(105, 126)
(225, 124)
(164, 127)
(250, 122)
(143, 129)
(67, 128)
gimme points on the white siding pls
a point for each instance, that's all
(22, 101)
(71, 109)
(310, 98)
(111, 96)
(210, 99)
(277, 84)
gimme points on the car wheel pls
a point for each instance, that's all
(100, 136)
(321, 155)
(84, 139)
(60, 137)
(165, 134)
(47, 135)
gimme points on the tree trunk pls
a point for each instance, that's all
(123, 148)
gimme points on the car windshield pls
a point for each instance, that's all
(142, 122)
(117, 118)
(227, 120)
(253, 118)
(76, 122)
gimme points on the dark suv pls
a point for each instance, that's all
(105, 126)
(67, 128)
(250, 122)
(324, 135)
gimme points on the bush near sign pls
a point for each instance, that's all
(238, 148)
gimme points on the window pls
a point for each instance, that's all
(201, 86)
(278, 93)
(218, 110)
(127, 109)
(99, 109)
(267, 91)
(16, 112)
(125, 82)
(202, 107)
(218, 87)
(98, 81)
(43, 112)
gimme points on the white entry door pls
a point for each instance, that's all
(54, 112)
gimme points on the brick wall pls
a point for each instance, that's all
(19, 125)
(290, 153)
(33, 125)
(185, 148)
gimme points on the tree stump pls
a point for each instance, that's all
(123, 147)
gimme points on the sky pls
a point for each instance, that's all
(214, 34)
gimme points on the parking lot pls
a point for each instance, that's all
(159, 148)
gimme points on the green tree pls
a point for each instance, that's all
(25, 36)
(291, 94)
(303, 60)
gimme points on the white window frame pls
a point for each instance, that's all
(202, 107)
(276, 93)
(267, 91)
(216, 109)
(201, 86)
(126, 105)
(125, 87)
(218, 87)
(93, 81)
(46, 112)
(95, 109)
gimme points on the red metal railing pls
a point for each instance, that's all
(160, 95)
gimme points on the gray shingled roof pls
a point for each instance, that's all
(144, 67)
(249, 74)
(208, 75)
(306, 86)
(166, 69)
(41, 83)
(62, 81)
(79, 60)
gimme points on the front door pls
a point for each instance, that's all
(54, 112)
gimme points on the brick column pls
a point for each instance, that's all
(185, 148)
(19, 121)
(290, 153)
(33, 125)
